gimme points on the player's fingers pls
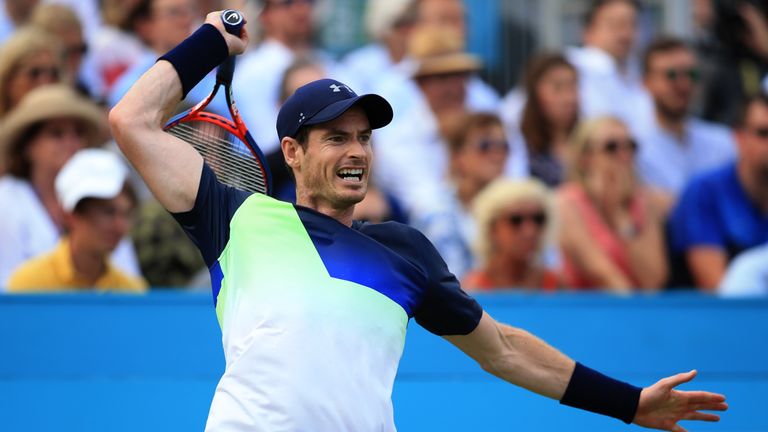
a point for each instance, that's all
(703, 397)
(719, 406)
(678, 428)
(676, 380)
(701, 416)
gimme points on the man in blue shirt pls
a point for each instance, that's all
(724, 211)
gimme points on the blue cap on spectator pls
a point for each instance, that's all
(324, 100)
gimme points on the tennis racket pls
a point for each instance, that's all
(226, 145)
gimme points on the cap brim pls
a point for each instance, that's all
(377, 109)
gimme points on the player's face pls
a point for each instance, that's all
(336, 165)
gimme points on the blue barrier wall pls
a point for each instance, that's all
(150, 363)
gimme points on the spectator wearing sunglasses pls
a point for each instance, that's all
(611, 235)
(724, 211)
(549, 115)
(677, 146)
(513, 219)
(62, 22)
(28, 59)
(478, 152)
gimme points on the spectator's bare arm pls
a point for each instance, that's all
(707, 266)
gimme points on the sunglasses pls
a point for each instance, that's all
(487, 145)
(37, 72)
(692, 74)
(612, 146)
(516, 220)
(760, 132)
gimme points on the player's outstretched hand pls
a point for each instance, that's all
(235, 44)
(661, 406)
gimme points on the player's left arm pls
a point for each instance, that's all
(521, 358)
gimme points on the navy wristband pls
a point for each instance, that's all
(592, 391)
(197, 55)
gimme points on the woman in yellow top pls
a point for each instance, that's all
(97, 202)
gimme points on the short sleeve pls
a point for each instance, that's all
(207, 224)
(445, 308)
(695, 221)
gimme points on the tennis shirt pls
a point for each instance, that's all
(313, 313)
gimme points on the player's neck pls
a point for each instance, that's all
(342, 214)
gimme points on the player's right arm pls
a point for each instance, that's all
(521, 358)
(170, 167)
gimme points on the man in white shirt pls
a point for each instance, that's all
(412, 162)
(677, 146)
(609, 79)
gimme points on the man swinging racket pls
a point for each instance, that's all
(313, 306)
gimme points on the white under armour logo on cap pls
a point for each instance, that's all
(337, 88)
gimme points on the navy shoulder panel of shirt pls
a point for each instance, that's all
(207, 224)
(445, 309)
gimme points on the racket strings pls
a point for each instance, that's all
(228, 156)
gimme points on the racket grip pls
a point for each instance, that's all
(233, 21)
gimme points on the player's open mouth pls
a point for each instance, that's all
(351, 174)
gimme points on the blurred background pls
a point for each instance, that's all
(595, 171)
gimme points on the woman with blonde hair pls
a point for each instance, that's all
(62, 22)
(611, 234)
(28, 59)
(513, 218)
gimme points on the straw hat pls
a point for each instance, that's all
(45, 103)
(440, 50)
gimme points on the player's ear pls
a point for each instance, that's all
(291, 151)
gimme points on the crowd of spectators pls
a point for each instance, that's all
(611, 166)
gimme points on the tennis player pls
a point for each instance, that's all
(314, 306)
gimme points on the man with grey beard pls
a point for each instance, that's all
(724, 211)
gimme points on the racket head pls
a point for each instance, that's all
(228, 149)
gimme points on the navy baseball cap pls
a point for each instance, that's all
(324, 100)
